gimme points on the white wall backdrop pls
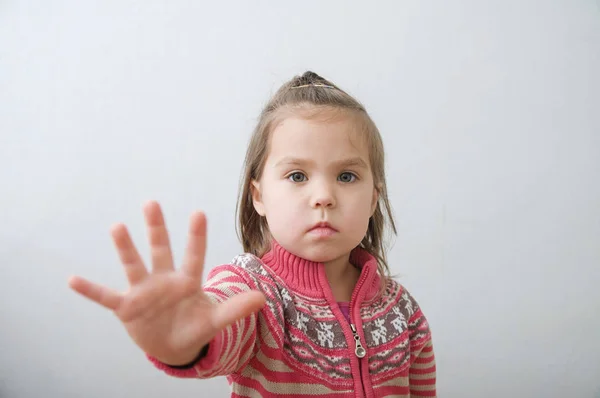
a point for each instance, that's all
(490, 112)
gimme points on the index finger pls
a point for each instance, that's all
(193, 262)
(134, 266)
(102, 295)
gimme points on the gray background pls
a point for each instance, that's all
(490, 116)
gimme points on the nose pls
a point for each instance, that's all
(323, 195)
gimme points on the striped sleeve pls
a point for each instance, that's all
(234, 346)
(422, 372)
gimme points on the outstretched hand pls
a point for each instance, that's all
(165, 310)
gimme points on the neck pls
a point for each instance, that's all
(342, 277)
(313, 279)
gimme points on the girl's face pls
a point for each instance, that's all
(317, 171)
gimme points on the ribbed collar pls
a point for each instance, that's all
(309, 277)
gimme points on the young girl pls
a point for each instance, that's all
(310, 309)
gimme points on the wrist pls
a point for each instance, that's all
(189, 363)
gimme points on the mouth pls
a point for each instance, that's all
(323, 225)
(322, 230)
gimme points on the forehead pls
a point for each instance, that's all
(330, 134)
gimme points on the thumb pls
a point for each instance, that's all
(238, 307)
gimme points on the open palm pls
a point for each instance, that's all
(165, 311)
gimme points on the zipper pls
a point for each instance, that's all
(359, 350)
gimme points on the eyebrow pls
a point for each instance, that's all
(355, 161)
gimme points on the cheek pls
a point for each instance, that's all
(364, 200)
(276, 196)
(285, 221)
(280, 201)
(360, 208)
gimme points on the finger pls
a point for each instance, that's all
(132, 262)
(160, 247)
(193, 263)
(100, 294)
(238, 307)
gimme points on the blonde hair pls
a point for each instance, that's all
(301, 93)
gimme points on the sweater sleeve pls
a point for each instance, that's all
(422, 372)
(232, 348)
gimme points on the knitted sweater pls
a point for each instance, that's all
(300, 344)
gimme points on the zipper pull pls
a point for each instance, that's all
(360, 350)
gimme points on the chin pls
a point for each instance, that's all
(319, 258)
(317, 251)
(320, 254)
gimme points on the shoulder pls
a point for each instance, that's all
(402, 296)
(244, 268)
(247, 272)
(406, 306)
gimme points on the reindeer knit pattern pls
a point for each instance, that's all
(300, 344)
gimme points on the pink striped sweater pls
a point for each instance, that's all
(300, 344)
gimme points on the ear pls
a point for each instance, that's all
(257, 198)
(375, 199)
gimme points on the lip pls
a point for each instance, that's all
(322, 225)
(322, 230)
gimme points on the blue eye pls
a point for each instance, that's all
(297, 177)
(347, 177)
